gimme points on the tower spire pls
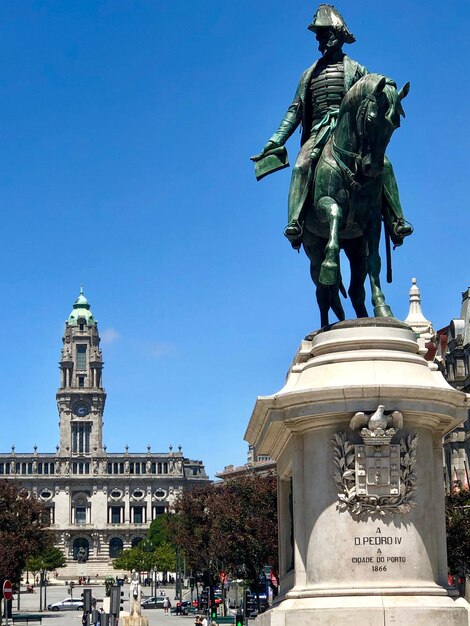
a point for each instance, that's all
(81, 313)
(415, 318)
(415, 314)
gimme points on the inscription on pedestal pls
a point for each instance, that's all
(385, 555)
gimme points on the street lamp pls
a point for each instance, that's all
(148, 548)
(178, 590)
(42, 574)
(152, 581)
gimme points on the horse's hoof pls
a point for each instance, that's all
(328, 274)
(383, 310)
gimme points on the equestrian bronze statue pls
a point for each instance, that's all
(342, 186)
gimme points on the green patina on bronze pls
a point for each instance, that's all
(350, 181)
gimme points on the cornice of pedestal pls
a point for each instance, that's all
(354, 369)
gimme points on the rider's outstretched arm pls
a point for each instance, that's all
(291, 120)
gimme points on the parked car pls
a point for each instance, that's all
(69, 604)
(154, 602)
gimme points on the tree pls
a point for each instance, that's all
(159, 532)
(23, 531)
(194, 530)
(229, 526)
(165, 557)
(159, 541)
(145, 557)
(458, 531)
(133, 558)
(48, 560)
(247, 525)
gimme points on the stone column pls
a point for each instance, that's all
(126, 513)
(359, 426)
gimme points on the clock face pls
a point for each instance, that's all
(81, 409)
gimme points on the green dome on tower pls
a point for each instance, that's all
(81, 310)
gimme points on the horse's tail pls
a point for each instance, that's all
(388, 252)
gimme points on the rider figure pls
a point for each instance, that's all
(316, 104)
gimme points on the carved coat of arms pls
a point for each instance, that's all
(376, 476)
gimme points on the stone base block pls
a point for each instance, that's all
(369, 611)
(135, 620)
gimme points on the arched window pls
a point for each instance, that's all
(115, 547)
(136, 541)
(81, 513)
(81, 548)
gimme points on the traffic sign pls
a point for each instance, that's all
(7, 590)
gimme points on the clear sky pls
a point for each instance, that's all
(126, 131)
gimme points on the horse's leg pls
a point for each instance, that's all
(356, 251)
(381, 308)
(335, 301)
(315, 250)
(329, 267)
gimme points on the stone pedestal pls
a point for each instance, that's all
(357, 436)
(135, 617)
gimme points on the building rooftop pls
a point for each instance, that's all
(81, 310)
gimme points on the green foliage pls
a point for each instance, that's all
(132, 558)
(23, 531)
(165, 557)
(50, 559)
(145, 557)
(109, 581)
(159, 531)
(156, 551)
(458, 531)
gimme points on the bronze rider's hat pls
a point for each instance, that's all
(329, 17)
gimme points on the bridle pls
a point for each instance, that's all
(337, 151)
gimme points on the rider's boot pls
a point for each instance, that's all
(398, 227)
(299, 187)
(294, 231)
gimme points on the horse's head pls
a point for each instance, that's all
(377, 115)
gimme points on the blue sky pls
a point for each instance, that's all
(127, 128)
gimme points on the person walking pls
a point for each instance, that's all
(166, 605)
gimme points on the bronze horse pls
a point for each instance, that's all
(346, 207)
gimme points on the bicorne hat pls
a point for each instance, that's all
(329, 17)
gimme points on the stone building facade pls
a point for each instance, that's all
(448, 350)
(99, 502)
(453, 358)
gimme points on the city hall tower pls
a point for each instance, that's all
(81, 397)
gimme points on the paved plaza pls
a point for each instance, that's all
(29, 602)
